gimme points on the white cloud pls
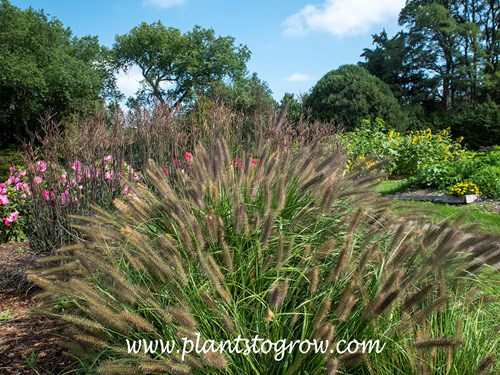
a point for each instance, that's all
(342, 17)
(163, 3)
(299, 77)
(128, 83)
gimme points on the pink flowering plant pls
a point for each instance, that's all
(62, 191)
(47, 193)
(14, 194)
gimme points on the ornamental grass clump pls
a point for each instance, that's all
(286, 248)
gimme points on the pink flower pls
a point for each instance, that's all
(165, 170)
(255, 161)
(109, 175)
(65, 197)
(38, 180)
(12, 170)
(63, 178)
(77, 166)
(41, 166)
(46, 195)
(21, 174)
(88, 172)
(3, 199)
(18, 186)
(11, 218)
(108, 158)
(74, 200)
(12, 180)
(238, 163)
(3, 189)
(188, 156)
(126, 190)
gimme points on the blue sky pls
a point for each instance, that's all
(293, 42)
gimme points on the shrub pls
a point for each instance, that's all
(477, 167)
(349, 94)
(284, 248)
(478, 125)
(69, 171)
(59, 192)
(488, 180)
(408, 154)
(8, 158)
(14, 194)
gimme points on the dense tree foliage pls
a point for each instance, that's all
(176, 66)
(246, 94)
(446, 60)
(45, 70)
(441, 70)
(350, 94)
(295, 107)
(388, 62)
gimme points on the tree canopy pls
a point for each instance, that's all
(45, 70)
(446, 60)
(349, 94)
(446, 54)
(246, 94)
(176, 66)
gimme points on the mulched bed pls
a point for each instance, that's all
(27, 341)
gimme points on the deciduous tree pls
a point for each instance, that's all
(45, 70)
(176, 66)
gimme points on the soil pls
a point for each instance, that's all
(27, 341)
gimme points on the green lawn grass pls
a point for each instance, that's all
(392, 186)
(485, 220)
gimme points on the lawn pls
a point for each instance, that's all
(483, 218)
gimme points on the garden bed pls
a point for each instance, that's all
(27, 341)
(437, 198)
(400, 189)
(440, 197)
